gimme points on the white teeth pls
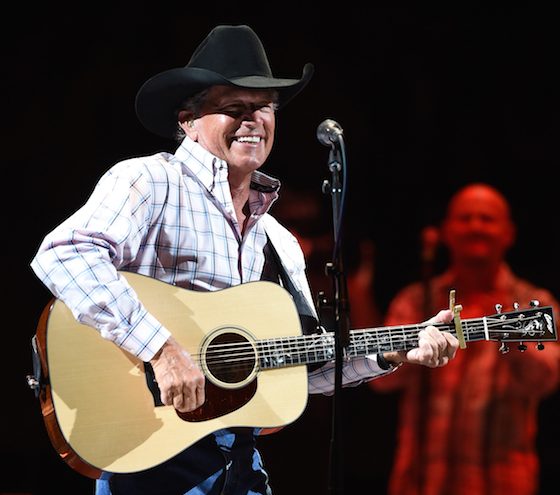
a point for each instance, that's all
(249, 139)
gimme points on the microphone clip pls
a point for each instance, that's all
(334, 162)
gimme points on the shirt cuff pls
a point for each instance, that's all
(145, 339)
(368, 367)
(381, 366)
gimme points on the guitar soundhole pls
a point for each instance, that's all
(230, 360)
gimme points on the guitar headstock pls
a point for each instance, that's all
(534, 324)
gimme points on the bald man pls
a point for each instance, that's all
(470, 428)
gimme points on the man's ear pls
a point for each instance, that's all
(182, 116)
(186, 122)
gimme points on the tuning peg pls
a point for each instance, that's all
(522, 347)
(504, 349)
(498, 308)
(540, 346)
(516, 306)
(534, 303)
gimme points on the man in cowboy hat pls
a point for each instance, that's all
(197, 219)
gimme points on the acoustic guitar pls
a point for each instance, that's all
(101, 405)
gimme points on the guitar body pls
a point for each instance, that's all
(99, 410)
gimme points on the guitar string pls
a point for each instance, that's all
(297, 346)
(357, 337)
(356, 334)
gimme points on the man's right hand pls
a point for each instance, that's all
(180, 380)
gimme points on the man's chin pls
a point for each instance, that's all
(247, 164)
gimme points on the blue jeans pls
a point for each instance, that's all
(225, 463)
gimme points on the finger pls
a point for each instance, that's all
(167, 396)
(426, 350)
(169, 399)
(443, 361)
(185, 401)
(200, 394)
(444, 316)
(422, 356)
(440, 346)
(190, 396)
(442, 342)
(447, 348)
(452, 344)
(179, 402)
(442, 356)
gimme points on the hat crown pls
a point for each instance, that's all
(232, 51)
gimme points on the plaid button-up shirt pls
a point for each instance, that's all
(170, 217)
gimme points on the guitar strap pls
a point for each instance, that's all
(274, 271)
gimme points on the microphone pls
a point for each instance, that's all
(430, 241)
(329, 132)
(430, 237)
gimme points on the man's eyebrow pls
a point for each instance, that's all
(263, 101)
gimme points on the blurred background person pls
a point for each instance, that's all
(470, 428)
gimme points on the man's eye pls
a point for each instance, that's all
(232, 110)
(236, 111)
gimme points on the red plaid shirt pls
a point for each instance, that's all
(470, 427)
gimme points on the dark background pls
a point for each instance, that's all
(428, 100)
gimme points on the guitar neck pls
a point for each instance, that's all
(535, 324)
(318, 348)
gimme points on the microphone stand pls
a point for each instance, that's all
(341, 311)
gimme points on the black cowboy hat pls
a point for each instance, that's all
(230, 55)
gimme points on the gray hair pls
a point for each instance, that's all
(193, 106)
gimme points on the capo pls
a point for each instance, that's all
(456, 309)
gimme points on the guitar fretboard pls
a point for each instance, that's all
(533, 325)
(317, 348)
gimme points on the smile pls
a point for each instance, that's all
(248, 139)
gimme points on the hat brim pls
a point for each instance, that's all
(159, 98)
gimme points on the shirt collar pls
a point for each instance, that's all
(210, 169)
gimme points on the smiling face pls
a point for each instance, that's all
(236, 125)
(478, 228)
